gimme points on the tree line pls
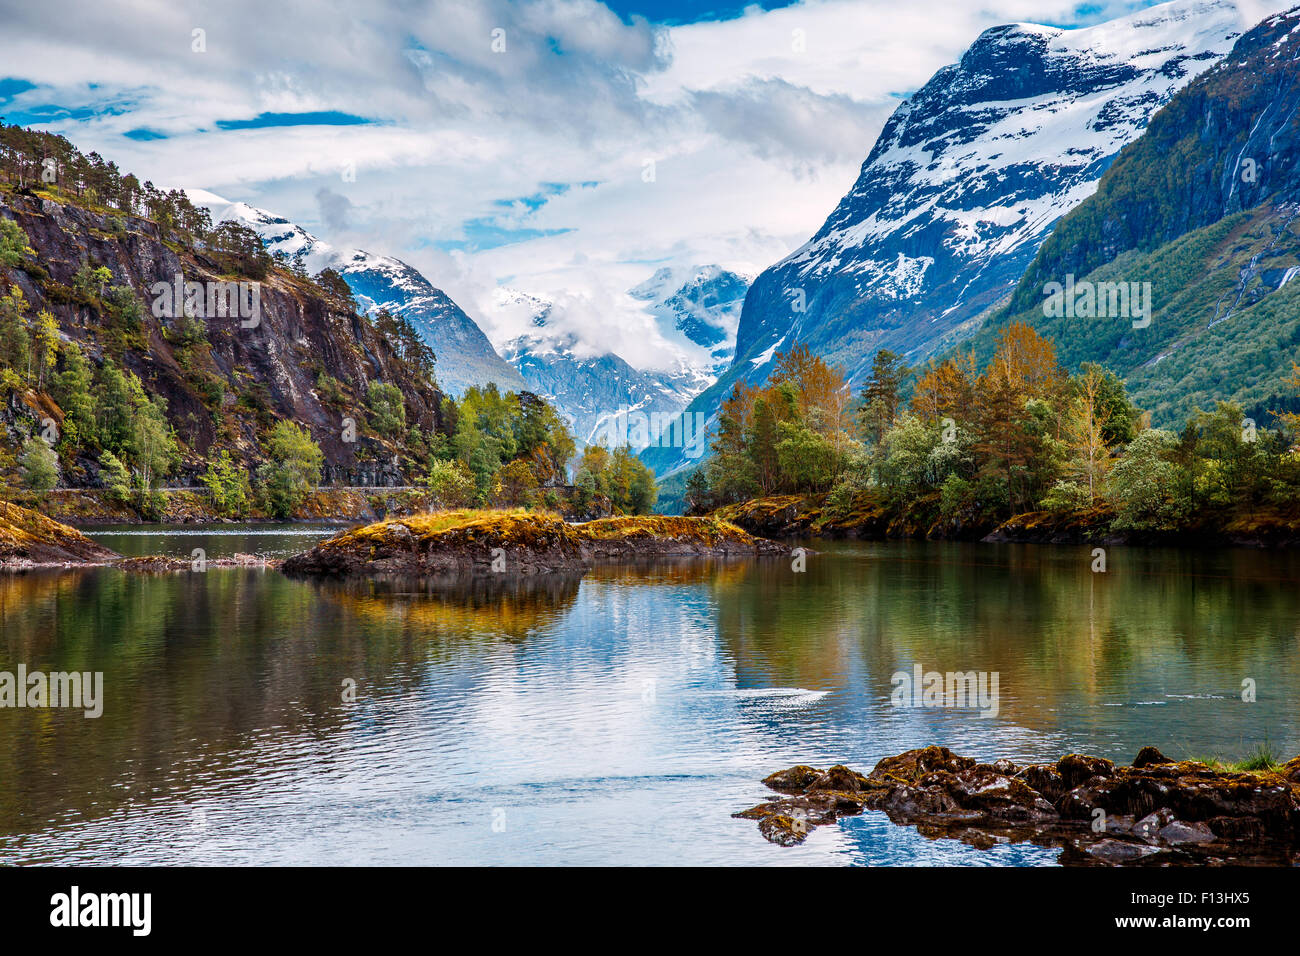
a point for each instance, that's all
(514, 450)
(952, 442)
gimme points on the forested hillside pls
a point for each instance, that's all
(1203, 207)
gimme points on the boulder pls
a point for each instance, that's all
(1098, 813)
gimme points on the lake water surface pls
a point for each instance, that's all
(618, 717)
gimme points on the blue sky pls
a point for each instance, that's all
(675, 12)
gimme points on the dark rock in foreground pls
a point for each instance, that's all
(520, 543)
(1155, 812)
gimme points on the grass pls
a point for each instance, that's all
(518, 526)
(1262, 759)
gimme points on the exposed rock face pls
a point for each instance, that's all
(1205, 207)
(29, 539)
(429, 545)
(465, 355)
(223, 393)
(1237, 147)
(1157, 811)
(871, 518)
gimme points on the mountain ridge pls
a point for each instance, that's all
(465, 355)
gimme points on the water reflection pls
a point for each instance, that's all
(618, 715)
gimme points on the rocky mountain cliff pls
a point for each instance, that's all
(1204, 206)
(1224, 145)
(225, 386)
(465, 355)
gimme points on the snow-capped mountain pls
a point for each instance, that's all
(465, 356)
(702, 304)
(594, 392)
(965, 182)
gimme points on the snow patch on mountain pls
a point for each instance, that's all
(592, 391)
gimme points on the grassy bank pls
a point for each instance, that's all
(520, 541)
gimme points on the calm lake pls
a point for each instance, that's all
(620, 717)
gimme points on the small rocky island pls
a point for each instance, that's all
(30, 540)
(471, 542)
(1155, 812)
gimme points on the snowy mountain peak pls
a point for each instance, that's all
(965, 182)
(701, 303)
(971, 172)
(465, 357)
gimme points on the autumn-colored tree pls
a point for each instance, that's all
(1086, 422)
(515, 484)
(1011, 433)
(822, 396)
(945, 390)
(1026, 361)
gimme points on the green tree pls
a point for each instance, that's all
(387, 409)
(89, 281)
(153, 451)
(449, 484)
(113, 408)
(227, 482)
(39, 466)
(15, 341)
(13, 244)
(808, 460)
(45, 347)
(699, 498)
(115, 478)
(72, 389)
(1143, 486)
(881, 398)
(292, 469)
(631, 484)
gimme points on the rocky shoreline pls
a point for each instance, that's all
(799, 516)
(29, 540)
(1155, 812)
(476, 543)
(93, 506)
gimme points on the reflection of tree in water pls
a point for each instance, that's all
(510, 606)
(239, 661)
(1056, 632)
